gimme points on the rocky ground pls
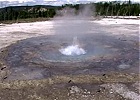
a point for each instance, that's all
(114, 87)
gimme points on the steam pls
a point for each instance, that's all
(68, 16)
(84, 11)
(73, 50)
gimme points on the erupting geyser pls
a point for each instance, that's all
(73, 50)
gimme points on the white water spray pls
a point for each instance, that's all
(74, 49)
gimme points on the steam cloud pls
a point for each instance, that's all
(85, 11)
(72, 27)
(74, 49)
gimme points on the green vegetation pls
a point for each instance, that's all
(117, 8)
(114, 8)
(26, 12)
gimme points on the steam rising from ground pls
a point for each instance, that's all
(71, 14)
(73, 50)
(84, 11)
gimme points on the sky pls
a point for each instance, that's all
(5, 3)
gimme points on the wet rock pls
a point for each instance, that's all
(99, 91)
(69, 81)
(3, 68)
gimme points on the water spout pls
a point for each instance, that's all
(73, 49)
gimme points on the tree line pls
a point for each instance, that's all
(117, 8)
(23, 12)
(114, 8)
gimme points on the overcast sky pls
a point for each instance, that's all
(4, 3)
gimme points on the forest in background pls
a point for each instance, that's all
(114, 8)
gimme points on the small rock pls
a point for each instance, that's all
(75, 89)
(69, 81)
(124, 66)
(99, 91)
(88, 92)
(3, 68)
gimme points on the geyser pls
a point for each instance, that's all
(73, 49)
